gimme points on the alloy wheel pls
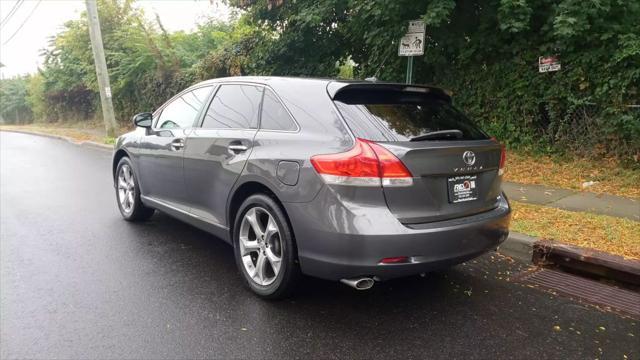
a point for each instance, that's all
(126, 188)
(260, 246)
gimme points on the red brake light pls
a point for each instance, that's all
(360, 161)
(366, 164)
(503, 156)
(395, 260)
(390, 166)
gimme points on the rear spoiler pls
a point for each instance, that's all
(335, 88)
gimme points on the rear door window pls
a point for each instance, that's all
(234, 106)
(394, 116)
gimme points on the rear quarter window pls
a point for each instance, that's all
(274, 114)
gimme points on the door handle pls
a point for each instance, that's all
(237, 148)
(177, 144)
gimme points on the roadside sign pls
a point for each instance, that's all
(415, 26)
(548, 63)
(412, 43)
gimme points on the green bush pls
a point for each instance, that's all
(486, 53)
(14, 107)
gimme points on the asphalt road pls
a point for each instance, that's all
(79, 282)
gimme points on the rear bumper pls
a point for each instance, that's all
(344, 240)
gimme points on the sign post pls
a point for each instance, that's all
(409, 77)
(412, 44)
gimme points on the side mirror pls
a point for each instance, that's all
(143, 120)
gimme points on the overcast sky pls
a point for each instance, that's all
(20, 54)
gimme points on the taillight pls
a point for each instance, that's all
(395, 260)
(503, 159)
(366, 164)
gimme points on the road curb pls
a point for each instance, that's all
(85, 143)
(592, 262)
(93, 144)
(575, 258)
(518, 246)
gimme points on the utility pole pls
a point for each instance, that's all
(101, 68)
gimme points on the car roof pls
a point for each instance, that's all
(333, 86)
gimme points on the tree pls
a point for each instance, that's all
(14, 108)
(486, 53)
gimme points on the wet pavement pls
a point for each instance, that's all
(76, 281)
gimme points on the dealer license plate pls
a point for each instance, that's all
(463, 188)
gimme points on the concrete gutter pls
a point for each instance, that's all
(590, 262)
(85, 143)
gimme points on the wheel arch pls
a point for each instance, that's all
(117, 156)
(242, 192)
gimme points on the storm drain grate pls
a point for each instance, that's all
(586, 290)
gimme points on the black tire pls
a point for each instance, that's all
(138, 211)
(287, 278)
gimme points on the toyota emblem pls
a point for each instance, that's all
(469, 158)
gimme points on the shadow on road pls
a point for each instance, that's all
(188, 249)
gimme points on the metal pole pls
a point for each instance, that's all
(101, 68)
(409, 78)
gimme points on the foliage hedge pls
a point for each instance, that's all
(484, 52)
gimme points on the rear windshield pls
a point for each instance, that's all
(398, 117)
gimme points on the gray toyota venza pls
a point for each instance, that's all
(350, 181)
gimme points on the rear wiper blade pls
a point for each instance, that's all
(437, 135)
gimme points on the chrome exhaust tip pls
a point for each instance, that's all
(363, 283)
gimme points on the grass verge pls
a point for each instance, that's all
(607, 174)
(606, 233)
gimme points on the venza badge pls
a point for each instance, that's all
(469, 158)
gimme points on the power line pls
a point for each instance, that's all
(24, 22)
(13, 10)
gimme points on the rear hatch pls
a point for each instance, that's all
(455, 165)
